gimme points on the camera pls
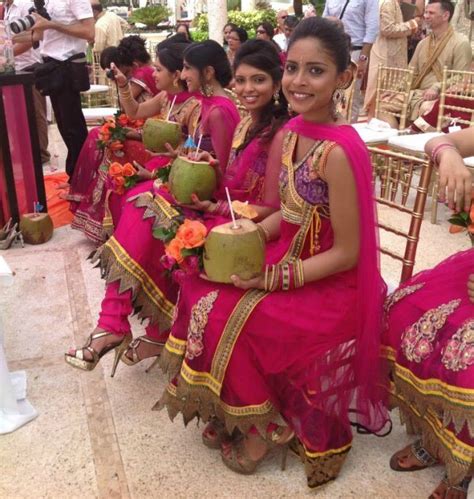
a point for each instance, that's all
(110, 74)
(27, 22)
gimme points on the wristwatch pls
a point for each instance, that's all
(363, 58)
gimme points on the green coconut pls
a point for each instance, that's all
(37, 228)
(191, 177)
(156, 133)
(234, 251)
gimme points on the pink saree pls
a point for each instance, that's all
(251, 357)
(428, 345)
(92, 187)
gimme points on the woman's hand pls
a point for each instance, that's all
(203, 156)
(143, 173)
(255, 283)
(455, 179)
(120, 78)
(199, 205)
(470, 288)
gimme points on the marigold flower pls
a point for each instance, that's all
(116, 145)
(173, 249)
(192, 233)
(123, 119)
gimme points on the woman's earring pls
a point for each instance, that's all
(207, 90)
(276, 98)
(338, 98)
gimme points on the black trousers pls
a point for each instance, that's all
(71, 123)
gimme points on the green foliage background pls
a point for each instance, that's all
(151, 16)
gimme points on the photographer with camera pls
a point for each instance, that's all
(25, 57)
(65, 27)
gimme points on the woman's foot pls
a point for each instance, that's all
(244, 455)
(98, 344)
(140, 349)
(445, 491)
(413, 457)
(215, 434)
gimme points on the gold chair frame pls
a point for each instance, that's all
(396, 179)
(394, 81)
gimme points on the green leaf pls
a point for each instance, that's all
(458, 222)
(163, 234)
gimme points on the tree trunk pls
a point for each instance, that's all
(298, 6)
(217, 14)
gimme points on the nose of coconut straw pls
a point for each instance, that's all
(171, 108)
(198, 146)
(234, 223)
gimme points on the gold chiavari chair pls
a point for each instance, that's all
(401, 195)
(393, 84)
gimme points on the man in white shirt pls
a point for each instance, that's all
(289, 25)
(361, 22)
(26, 56)
(108, 27)
(64, 44)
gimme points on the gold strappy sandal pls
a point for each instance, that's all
(134, 346)
(78, 361)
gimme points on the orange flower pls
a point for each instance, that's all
(123, 120)
(173, 249)
(128, 170)
(192, 234)
(109, 122)
(138, 123)
(455, 229)
(116, 145)
(115, 169)
(119, 183)
(104, 136)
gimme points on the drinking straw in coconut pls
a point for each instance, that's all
(198, 146)
(171, 108)
(234, 223)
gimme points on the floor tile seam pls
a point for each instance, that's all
(102, 431)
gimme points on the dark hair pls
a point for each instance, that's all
(186, 28)
(232, 25)
(209, 53)
(241, 33)
(135, 45)
(291, 21)
(262, 55)
(332, 37)
(446, 6)
(118, 56)
(267, 27)
(97, 7)
(170, 52)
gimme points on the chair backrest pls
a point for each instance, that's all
(456, 103)
(394, 84)
(401, 197)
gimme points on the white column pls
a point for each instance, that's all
(248, 5)
(217, 14)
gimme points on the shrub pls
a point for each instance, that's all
(247, 20)
(151, 16)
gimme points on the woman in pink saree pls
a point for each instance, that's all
(300, 342)
(130, 260)
(428, 343)
(99, 198)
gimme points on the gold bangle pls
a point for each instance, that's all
(264, 232)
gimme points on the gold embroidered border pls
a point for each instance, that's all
(457, 456)
(340, 450)
(175, 345)
(387, 352)
(116, 265)
(200, 378)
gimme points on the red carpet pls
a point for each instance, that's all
(58, 208)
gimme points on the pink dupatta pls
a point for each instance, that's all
(143, 77)
(368, 400)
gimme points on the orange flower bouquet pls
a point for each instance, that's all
(113, 131)
(463, 221)
(121, 177)
(184, 245)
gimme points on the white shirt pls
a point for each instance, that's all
(18, 9)
(58, 45)
(282, 41)
(361, 18)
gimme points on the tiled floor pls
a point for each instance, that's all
(97, 437)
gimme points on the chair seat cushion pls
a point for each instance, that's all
(469, 161)
(370, 136)
(98, 112)
(97, 89)
(415, 143)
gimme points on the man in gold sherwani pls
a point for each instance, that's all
(443, 47)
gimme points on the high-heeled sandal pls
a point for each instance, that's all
(13, 235)
(134, 346)
(418, 452)
(462, 486)
(5, 230)
(239, 460)
(78, 361)
(215, 434)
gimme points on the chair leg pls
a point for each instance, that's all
(434, 199)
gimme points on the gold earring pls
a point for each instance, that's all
(338, 98)
(276, 97)
(207, 90)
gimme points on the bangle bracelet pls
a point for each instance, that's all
(264, 232)
(123, 86)
(435, 154)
